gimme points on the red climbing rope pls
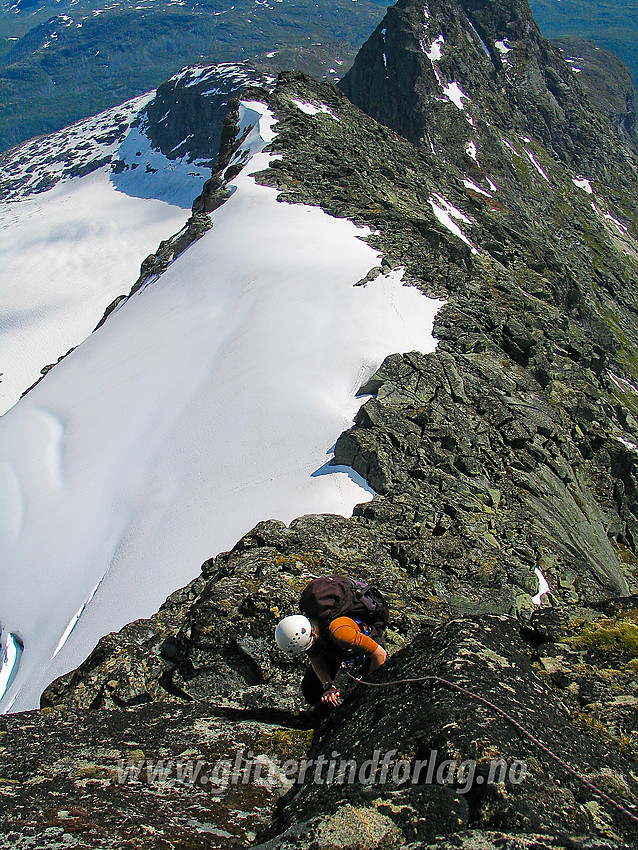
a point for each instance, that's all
(515, 723)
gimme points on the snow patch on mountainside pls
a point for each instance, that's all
(470, 184)
(584, 184)
(452, 91)
(536, 164)
(314, 109)
(543, 587)
(503, 47)
(207, 402)
(150, 174)
(445, 212)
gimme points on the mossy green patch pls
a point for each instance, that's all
(626, 555)
(615, 634)
(285, 743)
(522, 166)
(296, 584)
(308, 559)
(594, 726)
(489, 567)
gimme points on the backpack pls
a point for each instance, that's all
(328, 597)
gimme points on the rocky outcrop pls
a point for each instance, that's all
(187, 113)
(590, 655)
(145, 778)
(493, 447)
(214, 639)
(443, 760)
(156, 264)
(441, 748)
(45, 370)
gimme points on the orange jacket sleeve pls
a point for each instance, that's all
(347, 634)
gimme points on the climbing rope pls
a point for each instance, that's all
(515, 724)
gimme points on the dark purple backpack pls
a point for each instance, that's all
(328, 597)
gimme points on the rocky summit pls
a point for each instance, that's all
(504, 527)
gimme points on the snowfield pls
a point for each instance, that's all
(66, 255)
(208, 401)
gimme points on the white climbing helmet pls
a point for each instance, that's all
(294, 634)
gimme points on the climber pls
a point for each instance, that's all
(342, 620)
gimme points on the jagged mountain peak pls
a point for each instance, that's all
(188, 110)
(430, 70)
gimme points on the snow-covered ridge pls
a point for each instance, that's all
(207, 402)
(116, 138)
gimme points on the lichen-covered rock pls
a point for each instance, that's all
(482, 840)
(501, 455)
(455, 761)
(214, 638)
(457, 769)
(590, 655)
(140, 778)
